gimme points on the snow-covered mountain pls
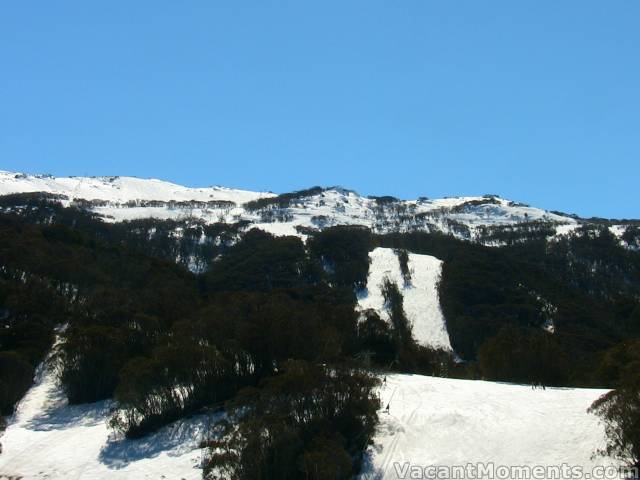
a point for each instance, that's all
(430, 421)
(127, 198)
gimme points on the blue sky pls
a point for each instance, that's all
(538, 101)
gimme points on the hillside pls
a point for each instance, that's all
(153, 304)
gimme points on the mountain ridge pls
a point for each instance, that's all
(20, 182)
(127, 198)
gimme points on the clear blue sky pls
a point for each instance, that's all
(538, 101)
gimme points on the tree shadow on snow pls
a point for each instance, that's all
(368, 470)
(59, 415)
(174, 440)
(362, 293)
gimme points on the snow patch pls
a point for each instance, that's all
(618, 230)
(566, 229)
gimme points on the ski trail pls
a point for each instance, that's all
(421, 300)
(448, 422)
(398, 399)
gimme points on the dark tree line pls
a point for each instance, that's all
(344, 253)
(309, 421)
(403, 259)
(235, 341)
(283, 200)
(620, 408)
(56, 276)
(29, 311)
(524, 355)
(190, 242)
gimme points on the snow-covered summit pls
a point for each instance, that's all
(126, 198)
(120, 189)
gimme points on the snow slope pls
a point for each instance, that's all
(445, 422)
(421, 300)
(431, 421)
(48, 439)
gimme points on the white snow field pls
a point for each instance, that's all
(444, 422)
(421, 300)
(48, 439)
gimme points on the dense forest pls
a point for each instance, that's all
(170, 317)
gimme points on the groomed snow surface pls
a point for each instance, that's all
(421, 300)
(444, 422)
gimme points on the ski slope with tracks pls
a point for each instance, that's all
(451, 423)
